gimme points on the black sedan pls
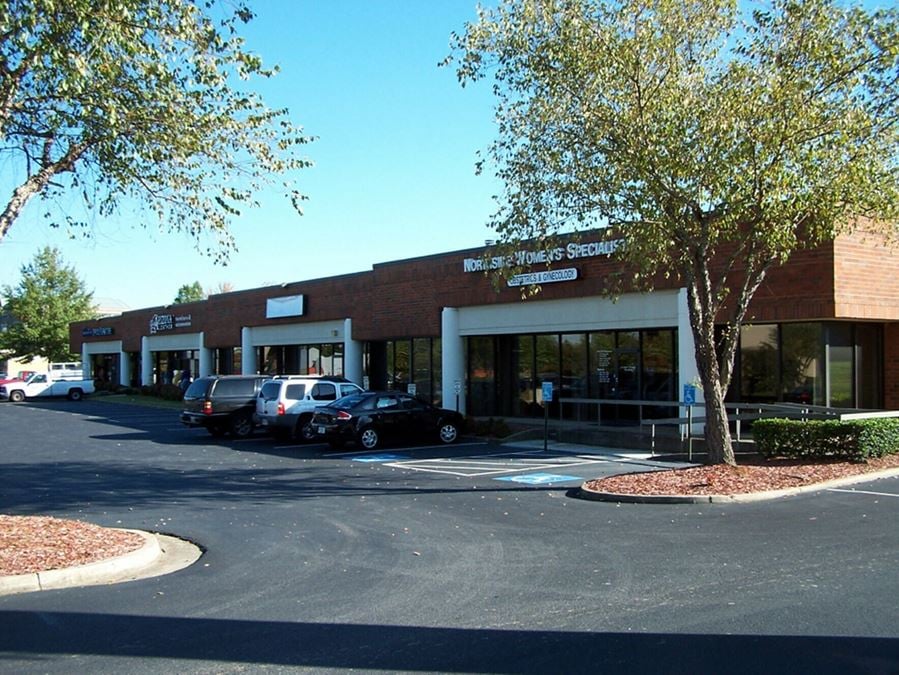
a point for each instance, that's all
(373, 417)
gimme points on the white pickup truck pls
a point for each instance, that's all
(44, 384)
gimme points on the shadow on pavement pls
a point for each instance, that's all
(32, 636)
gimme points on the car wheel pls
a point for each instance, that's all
(75, 395)
(368, 438)
(449, 432)
(242, 426)
(16, 396)
(305, 431)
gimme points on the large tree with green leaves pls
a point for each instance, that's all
(143, 102)
(190, 293)
(716, 137)
(48, 298)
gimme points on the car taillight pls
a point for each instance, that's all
(280, 408)
(207, 407)
(344, 415)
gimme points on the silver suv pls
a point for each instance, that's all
(285, 405)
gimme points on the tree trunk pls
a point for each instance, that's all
(717, 432)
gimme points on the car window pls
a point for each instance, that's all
(198, 388)
(324, 391)
(411, 404)
(39, 378)
(386, 402)
(270, 391)
(295, 392)
(235, 387)
(347, 389)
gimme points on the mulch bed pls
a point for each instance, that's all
(754, 474)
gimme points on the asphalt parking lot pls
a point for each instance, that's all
(467, 558)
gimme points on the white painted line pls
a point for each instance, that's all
(865, 492)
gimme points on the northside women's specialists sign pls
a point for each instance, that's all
(572, 251)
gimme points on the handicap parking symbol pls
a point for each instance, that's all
(540, 479)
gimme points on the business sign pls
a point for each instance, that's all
(288, 305)
(164, 322)
(101, 331)
(524, 257)
(545, 277)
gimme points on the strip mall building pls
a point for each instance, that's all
(823, 329)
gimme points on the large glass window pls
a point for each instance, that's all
(659, 366)
(869, 350)
(839, 364)
(802, 363)
(758, 364)
(546, 351)
(482, 375)
(574, 366)
(421, 367)
(523, 367)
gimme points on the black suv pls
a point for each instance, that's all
(223, 403)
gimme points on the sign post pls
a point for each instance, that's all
(689, 401)
(547, 390)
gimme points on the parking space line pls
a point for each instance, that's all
(865, 492)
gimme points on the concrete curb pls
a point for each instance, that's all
(149, 560)
(597, 496)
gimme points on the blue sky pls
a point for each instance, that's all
(394, 177)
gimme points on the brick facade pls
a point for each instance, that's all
(852, 278)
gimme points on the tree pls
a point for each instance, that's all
(139, 101)
(49, 297)
(190, 293)
(716, 138)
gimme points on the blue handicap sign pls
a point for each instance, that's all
(540, 478)
(379, 458)
(547, 391)
(689, 394)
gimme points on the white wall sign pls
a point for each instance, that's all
(289, 305)
(545, 277)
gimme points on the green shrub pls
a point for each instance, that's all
(856, 440)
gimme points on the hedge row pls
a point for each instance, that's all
(856, 440)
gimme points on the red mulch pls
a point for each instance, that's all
(752, 475)
(39, 543)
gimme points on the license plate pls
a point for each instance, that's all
(321, 430)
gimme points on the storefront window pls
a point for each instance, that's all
(437, 372)
(574, 366)
(839, 365)
(868, 348)
(482, 376)
(546, 350)
(758, 364)
(802, 363)
(523, 365)
(421, 364)
(659, 366)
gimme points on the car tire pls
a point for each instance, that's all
(448, 432)
(368, 438)
(241, 426)
(16, 396)
(305, 432)
(75, 395)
